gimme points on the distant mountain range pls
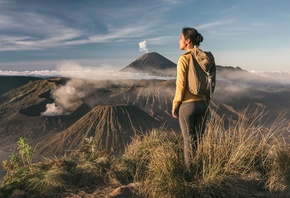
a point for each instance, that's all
(113, 111)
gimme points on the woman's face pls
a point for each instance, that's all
(182, 42)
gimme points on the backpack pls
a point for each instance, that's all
(201, 73)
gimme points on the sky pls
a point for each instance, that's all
(43, 35)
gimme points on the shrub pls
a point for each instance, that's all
(25, 150)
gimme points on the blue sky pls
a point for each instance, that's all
(39, 35)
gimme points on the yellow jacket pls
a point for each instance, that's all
(182, 93)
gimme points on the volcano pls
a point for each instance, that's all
(152, 63)
(111, 126)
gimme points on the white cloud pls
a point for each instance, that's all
(214, 24)
(279, 76)
(76, 70)
(34, 30)
(37, 27)
(67, 97)
(73, 69)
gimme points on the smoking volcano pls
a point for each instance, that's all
(152, 63)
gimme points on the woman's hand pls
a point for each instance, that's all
(175, 113)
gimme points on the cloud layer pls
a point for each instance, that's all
(75, 70)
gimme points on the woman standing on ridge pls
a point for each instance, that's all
(190, 109)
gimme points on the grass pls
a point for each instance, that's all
(235, 158)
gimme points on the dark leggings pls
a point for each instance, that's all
(192, 118)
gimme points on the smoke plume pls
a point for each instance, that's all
(84, 81)
(67, 98)
(143, 47)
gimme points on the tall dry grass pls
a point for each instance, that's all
(157, 163)
(235, 158)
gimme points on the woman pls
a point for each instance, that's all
(190, 109)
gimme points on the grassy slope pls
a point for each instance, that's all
(242, 159)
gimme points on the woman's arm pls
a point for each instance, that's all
(181, 80)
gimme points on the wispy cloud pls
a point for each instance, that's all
(35, 30)
(174, 1)
(215, 24)
(160, 39)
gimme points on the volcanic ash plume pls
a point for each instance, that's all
(52, 110)
(67, 97)
(143, 47)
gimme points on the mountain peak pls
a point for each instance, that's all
(152, 63)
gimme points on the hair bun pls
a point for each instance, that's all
(199, 38)
(193, 35)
